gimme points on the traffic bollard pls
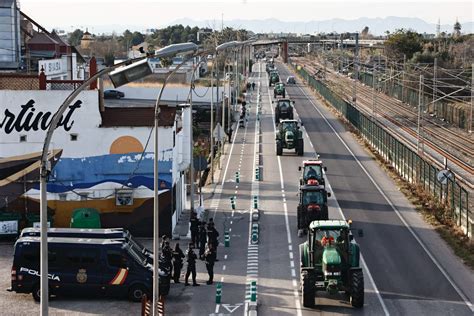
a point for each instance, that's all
(218, 293)
(226, 239)
(232, 202)
(255, 201)
(253, 291)
(237, 177)
(254, 236)
(257, 173)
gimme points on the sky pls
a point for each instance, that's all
(71, 14)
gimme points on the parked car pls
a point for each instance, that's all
(113, 94)
(290, 80)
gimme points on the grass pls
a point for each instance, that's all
(433, 212)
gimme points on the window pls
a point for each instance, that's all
(22, 138)
(62, 196)
(74, 137)
(116, 259)
(83, 196)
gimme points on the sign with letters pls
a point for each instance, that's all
(52, 66)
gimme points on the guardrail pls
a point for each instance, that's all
(406, 162)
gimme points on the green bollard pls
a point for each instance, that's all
(255, 202)
(237, 177)
(218, 293)
(253, 291)
(257, 173)
(232, 202)
(226, 239)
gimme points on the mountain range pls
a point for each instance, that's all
(377, 26)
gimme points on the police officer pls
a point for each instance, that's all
(167, 256)
(178, 256)
(194, 227)
(191, 269)
(212, 236)
(210, 257)
(202, 238)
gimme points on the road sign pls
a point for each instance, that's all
(231, 308)
(218, 132)
(444, 175)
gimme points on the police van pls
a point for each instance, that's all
(108, 233)
(83, 266)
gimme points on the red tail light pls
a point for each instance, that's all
(312, 182)
(314, 208)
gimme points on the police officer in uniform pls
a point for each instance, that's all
(212, 236)
(191, 269)
(210, 257)
(194, 228)
(178, 256)
(202, 238)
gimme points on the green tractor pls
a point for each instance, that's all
(279, 90)
(283, 109)
(274, 78)
(313, 206)
(289, 136)
(330, 262)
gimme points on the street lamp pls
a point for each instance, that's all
(132, 72)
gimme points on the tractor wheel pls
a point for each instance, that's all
(279, 148)
(284, 94)
(274, 95)
(290, 116)
(308, 292)
(299, 218)
(300, 148)
(357, 289)
(277, 116)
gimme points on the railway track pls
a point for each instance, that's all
(452, 144)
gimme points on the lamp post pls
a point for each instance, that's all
(136, 68)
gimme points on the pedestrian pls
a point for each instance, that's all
(212, 236)
(229, 134)
(210, 257)
(191, 268)
(202, 239)
(253, 85)
(164, 239)
(194, 227)
(178, 256)
(248, 86)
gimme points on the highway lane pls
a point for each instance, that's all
(279, 280)
(409, 280)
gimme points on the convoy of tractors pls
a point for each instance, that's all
(329, 258)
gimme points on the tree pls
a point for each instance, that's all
(75, 37)
(457, 29)
(109, 59)
(403, 42)
(365, 32)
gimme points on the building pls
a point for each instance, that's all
(100, 160)
(86, 40)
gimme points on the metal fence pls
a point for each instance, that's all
(406, 162)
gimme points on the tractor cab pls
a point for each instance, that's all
(312, 172)
(283, 109)
(279, 90)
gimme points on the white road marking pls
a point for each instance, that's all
(223, 267)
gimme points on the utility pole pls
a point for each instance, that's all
(191, 143)
(403, 76)
(420, 101)
(356, 68)
(435, 69)
(374, 84)
(472, 93)
(212, 120)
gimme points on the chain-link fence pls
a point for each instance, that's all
(14, 81)
(406, 162)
